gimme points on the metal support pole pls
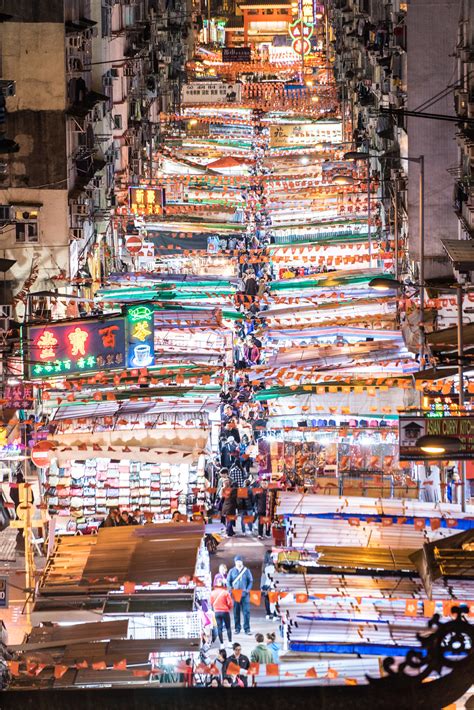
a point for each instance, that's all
(396, 235)
(302, 48)
(326, 32)
(462, 464)
(369, 215)
(421, 235)
(209, 21)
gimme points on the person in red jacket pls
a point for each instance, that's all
(222, 603)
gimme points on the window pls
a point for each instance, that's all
(117, 120)
(27, 233)
(26, 226)
(4, 214)
(106, 20)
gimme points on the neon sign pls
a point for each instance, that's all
(141, 344)
(145, 200)
(81, 346)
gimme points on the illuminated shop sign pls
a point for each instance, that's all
(437, 425)
(236, 54)
(145, 200)
(140, 336)
(78, 346)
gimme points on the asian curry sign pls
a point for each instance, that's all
(412, 428)
(76, 347)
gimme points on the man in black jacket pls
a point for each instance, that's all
(238, 659)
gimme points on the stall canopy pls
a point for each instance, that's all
(144, 555)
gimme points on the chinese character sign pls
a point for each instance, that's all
(62, 349)
(146, 200)
(19, 396)
(141, 343)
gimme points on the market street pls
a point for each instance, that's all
(237, 337)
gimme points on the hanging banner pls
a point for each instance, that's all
(305, 134)
(211, 92)
(236, 54)
(411, 428)
(78, 346)
(140, 336)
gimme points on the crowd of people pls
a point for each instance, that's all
(230, 604)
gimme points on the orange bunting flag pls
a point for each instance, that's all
(242, 493)
(272, 597)
(311, 673)
(429, 608)
(451, 523)
(411, 607)
(233, 669)
(120, 665)
(255, 597)
(14, 667)
(141, 674)
(419, 523)
(129, 587)
(350, 681)
(332, 673)
(59, 671)
(301, 598)
(82, 665)
(182, 667)
(253, 669)
(435, 523)
(273, 669)
(201, 668)
(237, 595)
(447, 607)
(99, 666)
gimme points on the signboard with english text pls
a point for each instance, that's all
(412, 428)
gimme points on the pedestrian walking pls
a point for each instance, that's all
(267, 584)
(245, 507)
(229, 509)
(261, 653)
(261, 509)
(222, 603)
(240, 579)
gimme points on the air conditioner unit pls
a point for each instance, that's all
(461, 102)
(77, 233)
(76, 42)
(97, 114)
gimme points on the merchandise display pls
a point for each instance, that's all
(90, 488)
